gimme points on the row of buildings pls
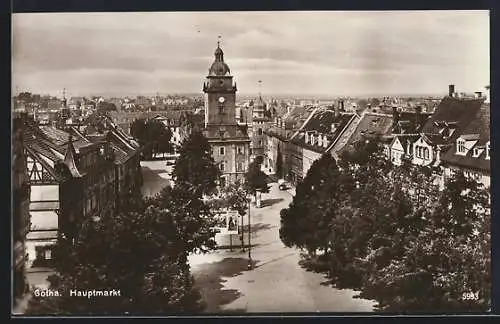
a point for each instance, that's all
(454, 136)
(62, 177)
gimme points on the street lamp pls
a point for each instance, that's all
(249, 237)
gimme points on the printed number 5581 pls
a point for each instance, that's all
(470, 296)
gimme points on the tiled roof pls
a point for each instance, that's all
(458, 110)
(371, 124)
(321, 122)
(297, 116)
(410, 121)
(61, 138)
(120, 155)
(229, 132)
(479, 126)
(280, 133)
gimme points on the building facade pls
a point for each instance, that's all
(229, 141)
(20, 206)
(323, 133)
(74, 178)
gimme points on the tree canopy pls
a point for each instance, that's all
(255, 179)
(152, 135)
(142, 253)
(391, 233)
(195, 167)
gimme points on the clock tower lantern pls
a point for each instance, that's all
(229, 141)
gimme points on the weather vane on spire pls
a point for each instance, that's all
(260, 84)
(218, 40)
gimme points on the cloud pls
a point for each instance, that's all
(298, 51)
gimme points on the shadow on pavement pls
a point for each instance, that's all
(270, 202)
(254, 228)
(152, 182)
(209, 280)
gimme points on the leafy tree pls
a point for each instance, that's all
(255, 179)
(190, 219)
(152, 135)
(235, 197)
(25, 96)
(306, 222)
(105, 107)
(279, 165)
(195, 167)
(443, 258)
(132, 253)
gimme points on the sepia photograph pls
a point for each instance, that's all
(259, 162)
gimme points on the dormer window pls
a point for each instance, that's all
(461, 146)
(320, 140)
(488, 150)
(477, 151)
(325, 141)
(312, 139)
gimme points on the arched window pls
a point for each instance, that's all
(259, 131)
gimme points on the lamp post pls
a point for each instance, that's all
(249, 238)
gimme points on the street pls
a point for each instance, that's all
(155, 175)
(277, 283)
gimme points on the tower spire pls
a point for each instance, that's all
(260, 94)
(218, 41)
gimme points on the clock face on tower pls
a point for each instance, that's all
(222, 99)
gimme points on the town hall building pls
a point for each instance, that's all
(229, 140)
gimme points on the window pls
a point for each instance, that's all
(239, 167)
(426, 153)
(222, 182)
(222, 166)
(222, 150)
(48, 254)
(476, 152)
(460, 146)
(260, 142)
(240, 150)
(488, 151)
(259, 131)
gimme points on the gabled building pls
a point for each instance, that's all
(442, 128)
(409, 122)
(322, 133)
(370, 126)
(401, 147)
(229, 141)
(471, 151)
(71, 180)
(258, 123)
(278, 135)
(20, 206)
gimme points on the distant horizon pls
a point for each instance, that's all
(253, 95)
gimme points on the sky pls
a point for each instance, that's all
(292, 53)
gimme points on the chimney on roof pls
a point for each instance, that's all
(451, 90)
